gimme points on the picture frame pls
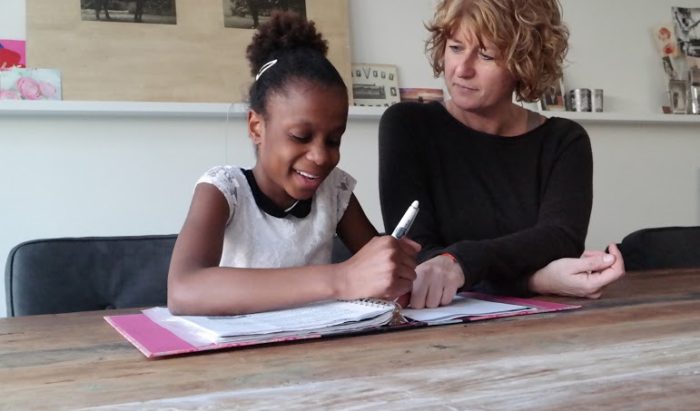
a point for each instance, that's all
(554, 99)
(677, 95)
(375, 85)
(421, 95)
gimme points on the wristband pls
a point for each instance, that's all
(451, 257)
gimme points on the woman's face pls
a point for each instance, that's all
(477, 82)
(298, 143)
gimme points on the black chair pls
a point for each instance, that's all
(661, 247)
(91, 273)
(340, 252)
(61, 275)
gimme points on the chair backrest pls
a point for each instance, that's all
(340, 252)
(91, 273)
(661, 247)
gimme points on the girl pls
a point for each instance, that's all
(261, 239)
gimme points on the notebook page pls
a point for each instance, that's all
(459, 308)
(312, 317)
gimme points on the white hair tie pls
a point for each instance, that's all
(265, 67)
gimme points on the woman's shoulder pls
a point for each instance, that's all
(566, 126)
(407, 110)
(562, 134)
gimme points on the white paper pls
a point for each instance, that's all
(322, 318)
(459, 308)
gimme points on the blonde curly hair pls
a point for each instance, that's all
(530, 36)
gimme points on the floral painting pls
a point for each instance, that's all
(30, 84)
(12, 53)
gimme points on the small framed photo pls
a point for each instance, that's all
(421, 95)
(554, 98)
(375, 85)
(677, 95)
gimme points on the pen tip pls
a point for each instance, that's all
(414, 203)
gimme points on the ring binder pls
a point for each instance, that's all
(157, 333)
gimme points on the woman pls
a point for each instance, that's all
(505, 193)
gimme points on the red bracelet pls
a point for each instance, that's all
(452, 257)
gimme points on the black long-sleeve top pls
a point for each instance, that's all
(503, 206)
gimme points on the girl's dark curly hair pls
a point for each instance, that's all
(300, 52)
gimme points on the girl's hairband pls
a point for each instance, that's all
(265, 67)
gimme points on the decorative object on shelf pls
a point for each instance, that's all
(665, 41)
(375, 85)
(553, 99)
(421, 95)
(694, 90)
(12, 53)
(597, 100)
(248, 14)
(136, 11)
(580, 99)
(30, 84)
(677, 94)
(686, 21)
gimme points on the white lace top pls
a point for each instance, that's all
(255, 239)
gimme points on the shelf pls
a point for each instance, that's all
(238, 110)
(626, 118)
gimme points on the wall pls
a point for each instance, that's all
(100, 174)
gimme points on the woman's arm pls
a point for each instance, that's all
(198, 286)
(408, 168)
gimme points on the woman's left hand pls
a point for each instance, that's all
(585, 276)
(437, 281)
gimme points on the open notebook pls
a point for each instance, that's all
(157, 333)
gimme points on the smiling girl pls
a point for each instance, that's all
(261, 239)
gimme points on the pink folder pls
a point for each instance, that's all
(155, 341)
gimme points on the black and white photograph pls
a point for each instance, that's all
(375, 85)
(136, 11)
(686, 21)
(249, 14)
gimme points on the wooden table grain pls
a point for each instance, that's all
(637, 348)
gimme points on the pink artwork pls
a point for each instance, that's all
(30, 84)
(12, 53)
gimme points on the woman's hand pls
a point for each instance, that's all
(437, 281)
(385, 268)
(586, 276)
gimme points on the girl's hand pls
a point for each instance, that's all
(383, 268)
(586, 276)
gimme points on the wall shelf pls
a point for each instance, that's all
(238, 110)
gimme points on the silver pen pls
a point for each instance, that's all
(406, 221)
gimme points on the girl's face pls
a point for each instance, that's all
(475, 80)
(298, 144)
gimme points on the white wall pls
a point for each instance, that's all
(109, 175)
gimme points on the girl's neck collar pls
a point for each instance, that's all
(300, 208)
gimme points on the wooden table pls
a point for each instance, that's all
(637, 348)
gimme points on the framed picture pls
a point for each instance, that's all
(677, 95)
(421, 95)
(20, 83)
(375, 85)
(554, 99)
(197, 59)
